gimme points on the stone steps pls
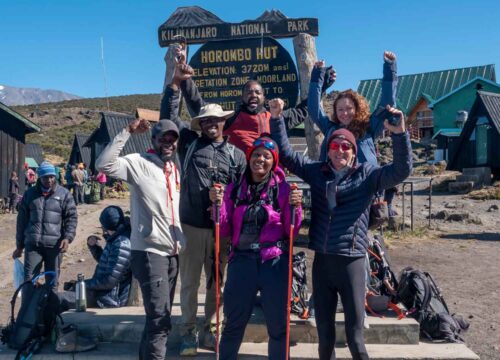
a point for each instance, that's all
(127, 351)
(120, 325)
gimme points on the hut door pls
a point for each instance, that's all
(482, 142)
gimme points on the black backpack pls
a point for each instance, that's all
(422, 297)
(36, 317)
(382, 284)
(299, 286)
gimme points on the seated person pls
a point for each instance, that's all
(109, 286)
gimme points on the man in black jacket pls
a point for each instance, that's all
(110, 285)
(205, 160)
(46, 224)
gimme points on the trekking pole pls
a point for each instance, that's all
(289, 290)
(217, 280)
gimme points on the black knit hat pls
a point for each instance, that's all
(111, 217)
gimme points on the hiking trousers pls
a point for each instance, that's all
(246, 275)
(333, 275)
(198, 254)
(157, 276)
(35, 256)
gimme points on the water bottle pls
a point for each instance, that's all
(81, 296)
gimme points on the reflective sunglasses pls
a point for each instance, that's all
(345, 146)
(268, 144)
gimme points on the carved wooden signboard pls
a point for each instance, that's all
(199, 26)
(222, 68)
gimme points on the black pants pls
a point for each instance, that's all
(157, 276)
(78, 194)
(333, 275)
(35, 256)
(246, 275)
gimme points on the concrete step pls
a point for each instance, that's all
(460, 187)
(483, 172)
(126, 325)
(476, 179)
(124, 351)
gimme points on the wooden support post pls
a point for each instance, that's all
(305, 54)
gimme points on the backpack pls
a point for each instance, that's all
(422, 297)
(299, 286)
(381, 281)
(379, 213)
(36, 317)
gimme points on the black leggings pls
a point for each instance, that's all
(333, 275)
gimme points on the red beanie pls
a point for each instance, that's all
(267, 143)
(345, 135)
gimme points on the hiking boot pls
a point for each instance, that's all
(189, 344)
(209, 340)
(69, 341)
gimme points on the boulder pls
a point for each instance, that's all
(493, 207)
(460, 187)
(458, 217)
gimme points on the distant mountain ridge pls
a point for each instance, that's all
(11, 96)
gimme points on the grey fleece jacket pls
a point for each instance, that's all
(154, 213)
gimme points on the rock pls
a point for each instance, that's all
(460, 187)
(458, 217)
(493, 207)
(471, 316)
(69, 117)
(442, 163)
(441, 215)
(475, 220)
(81, 260)
(450, 205)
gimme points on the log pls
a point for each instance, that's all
(305, 54)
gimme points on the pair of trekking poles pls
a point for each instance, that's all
(217, 277)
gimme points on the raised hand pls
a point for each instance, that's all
(389, 56)
(400, 127)
(319, 64)
(276, 107)
(138, 126)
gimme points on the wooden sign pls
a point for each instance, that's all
(222, 68)
(197, 26)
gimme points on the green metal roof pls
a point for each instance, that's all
(432, 103)
(31, 162)
(434, 85)
(452, 132)
(30, 126)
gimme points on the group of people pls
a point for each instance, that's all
(237, 167)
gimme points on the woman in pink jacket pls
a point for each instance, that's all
(256, 214)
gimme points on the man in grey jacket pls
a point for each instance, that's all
(156, 237)
(46, 223)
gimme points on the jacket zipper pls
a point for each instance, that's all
(327, 232)
(43, 216)
(355, 231)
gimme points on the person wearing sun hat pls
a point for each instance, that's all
(342, 190)
(256, 214)
(46, 223)
(205, 159)
(156, 237)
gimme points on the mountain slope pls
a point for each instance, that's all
(10, 95)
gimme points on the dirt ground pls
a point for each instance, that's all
(461, 255)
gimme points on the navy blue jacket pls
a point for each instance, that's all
(112, 277)
(343, 230)
(366, 145)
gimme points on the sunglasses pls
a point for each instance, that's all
(345, 146)
(268, 144)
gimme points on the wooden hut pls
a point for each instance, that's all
(13, 130)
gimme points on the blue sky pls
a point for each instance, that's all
(55, 44)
